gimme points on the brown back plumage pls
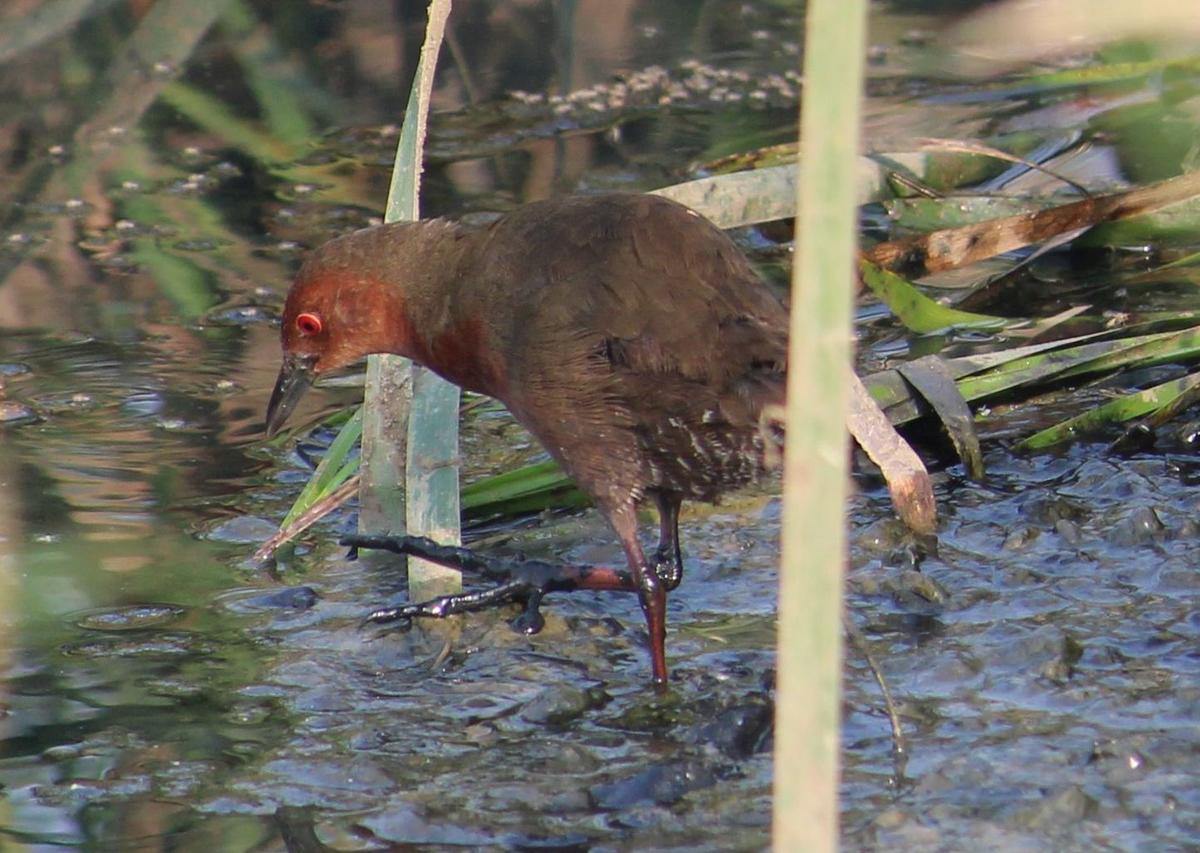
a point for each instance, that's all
(640, 345)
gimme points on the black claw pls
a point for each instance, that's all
(529, 624)
(530, 621)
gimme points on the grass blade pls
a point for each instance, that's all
(424, 493)
(531, 488)
(336, 467)
(808, 684)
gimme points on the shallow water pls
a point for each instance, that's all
(159, 691)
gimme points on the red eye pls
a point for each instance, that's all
(309, 324)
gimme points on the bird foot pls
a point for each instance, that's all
(529, 622)
(523, 581)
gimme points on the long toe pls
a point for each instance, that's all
(395, 617)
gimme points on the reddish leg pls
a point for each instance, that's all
(650, 589)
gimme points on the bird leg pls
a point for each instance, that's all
(651, 590)
(525, 581)
(528, 581)
(668, 558)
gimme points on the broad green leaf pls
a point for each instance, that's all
(935, 214)
(1120, 410)
(1039, 368)
(1146, 351)
(917, 311)
(1189, 260)
(1115, 72)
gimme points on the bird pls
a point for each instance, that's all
(627, 333)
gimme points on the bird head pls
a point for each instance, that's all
(336, 313)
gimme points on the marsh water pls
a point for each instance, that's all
(165, 166)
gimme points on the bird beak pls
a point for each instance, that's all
(295, 376)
